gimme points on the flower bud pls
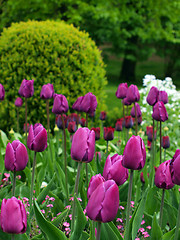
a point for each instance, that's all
(2, 92)
(118, 126)
(128, 122)
(88, 103)
(13, 216)
(24, 127)
(27, 88)
(113, 169)
(18, 102)
(108, 133)
(122, 90)
(126, 102)
(163, 96)
(139, 120)
(133, 94)
(134, 156)
(47, 91)
(83, 145)
(16, 157)
(37, 138)
(103, 203)
(83, 122)
(159, 112)
(60, 104)
(149, 132)
(72, 127)
(77, 105)
(138, 110)
(59, 121)
(102, 116)
(94, 183)
(97, 133)
(152, 97)
(165, 142)
(174, 167)
(163, 177)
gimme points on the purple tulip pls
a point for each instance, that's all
(138, 110)
(174, 167)
(59, 121)
(73, 117)
(165, 142)
(134, 156)
(2, 92)
(103, 203)
(60, 104)
(133, 94)
(27, 88)
(159, 112)
(47, 91)
(88, 103)
(108, 133)
(152, 97)
(72, 127)
(103, 116)
(149, 132)
(18, 102)
(122, 90)
(118, 126)
(37, 138)
(94, 183)
(77, 105)
(113, 169)
(163, 177)
(128, 122)
(97, 133)
(83, 145)
(163, 96)
(13, 216)
(126, 102)
(16, 157)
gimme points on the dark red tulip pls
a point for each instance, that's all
(72, 127)
(59, 121)
(128, 122)
(165, 142)
(133, 94)
(152, 97)
(122, 90)
(102, 116)
(149, 132)
(175, 167)
(27, 88)
(24, 128)
(118, 126)
(159, 112)
(139, 120)
(149, 144)
(83, 122)
(97, 133)
(108, 133)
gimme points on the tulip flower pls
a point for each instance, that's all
(16, 156)
(153, 96)
(83, 122)
(24, 127)
(149, 132)
(159, 112)
(163, 96)
(108, 133)
(73, 117)
(103, 115)
(13, 216)
(122, 90)
(97, 133)
(138, 109)
(47, 91)
(83, 145)
(103, 203)
(59, 121)
(128, 122)
(2, 92)
(77, 105)
(126, 102)
(139, 120)
(133, 94)
(94, 183)
(113, 169)
(37, 138)
(134, 156)
(27, 88)
(118, 126)
(165, 142)
(60, 104)
(174, 167)
(72, 127)
(18, 102)
(88, 103)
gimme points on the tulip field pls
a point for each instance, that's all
(80, 179)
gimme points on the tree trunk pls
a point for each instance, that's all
(128, 71)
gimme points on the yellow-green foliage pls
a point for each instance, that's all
(48, 52)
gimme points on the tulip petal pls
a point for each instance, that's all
(9, 158)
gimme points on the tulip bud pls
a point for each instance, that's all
(108, 133)
(18, 102)
(27, 88)
(152, 97)
(47, 91)
(139, 120)
(174, 167)
(122, 90)
(113, 169)
(94, 183)
(60, 104)
(149, 144)
(128, 122)
(102, 116)
(133, 94)
(16, 156)
(134, 156)
(13, 216)
(97, 133)
(83, 145)
(103, 203)
(37, 138)
(126, 102)
(88, 103)
(118, 126)
(73, 117)
(59, 121)
(159, 112)
(149, 132)
(24, 127)
(77, 105)
(83, 122)
(163, 177)
(72, 127)
(165, 142)
(138, 110)
(163, 96)
(2, 92)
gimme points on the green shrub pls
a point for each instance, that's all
(48, 52)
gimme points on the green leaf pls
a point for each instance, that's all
(168, 235)
(114, 147)
(84, 236)
(138, 216)
(156, 233)
(80, 221)
(108, 232)
(60, 218)
(4, 138)
(52, 232)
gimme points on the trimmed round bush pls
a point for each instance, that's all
(48, 52)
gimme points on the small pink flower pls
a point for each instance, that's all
(50, 205)
(66, 224)
(58, 213)
(141, 230)
(79, 199)
(7, 175)
(119, 220)
(43, 211)
(121, 207)
(68, 207)
(47, 197)
(142, 222)
(18, 177)
(70, 216)
(51, 199)
(148, 227)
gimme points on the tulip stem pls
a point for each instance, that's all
(32, 183)
(136, 129)
(65, 157)
(153, 154)
(75, 194)
(87, 175)
(12, 237)
(126, 237)
(17, 119)
(123, 111)
(107, 149)
(176, 235)
(160, 142)
(14, 183)
(26, 118)
(164, 155)
(161, 208)
(98, 230)
(87, 120)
